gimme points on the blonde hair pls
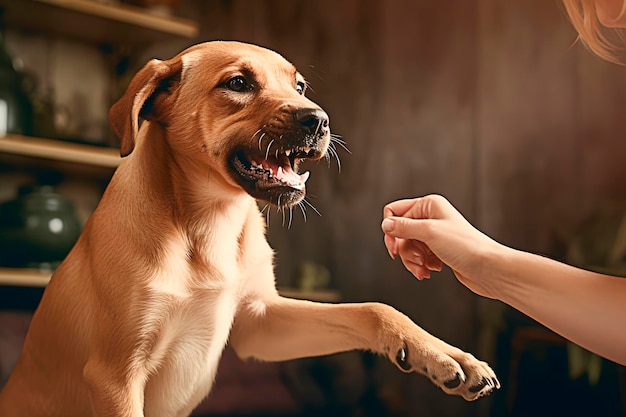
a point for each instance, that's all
(584, 17)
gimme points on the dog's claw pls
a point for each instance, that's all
(479, 387)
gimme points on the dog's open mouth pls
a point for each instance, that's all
(273, 176)
(274, 171)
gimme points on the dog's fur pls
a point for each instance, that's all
(174, 263)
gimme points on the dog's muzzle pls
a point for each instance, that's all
(268, 168)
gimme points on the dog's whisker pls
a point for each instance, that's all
(330, 153)
(261, 139)
(281, 209)
(282, 213)
(290, 217)
(267, 152)
(333, 152)
(336, 153)
(327, 157)
(314, 70)
(302, 209)
(265, 207)
(267, 217)
(336, 140)
(317, 128)
(312, 206)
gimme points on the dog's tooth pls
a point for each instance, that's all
(305, 176)
(307, 149)
(287, 152)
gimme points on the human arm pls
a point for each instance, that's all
(585, 307)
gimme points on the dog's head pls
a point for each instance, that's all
(234, 109)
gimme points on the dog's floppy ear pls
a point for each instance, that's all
(141, 99)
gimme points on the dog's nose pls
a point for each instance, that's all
(312, 120)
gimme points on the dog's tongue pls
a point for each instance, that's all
(290, 177)
(284, 173)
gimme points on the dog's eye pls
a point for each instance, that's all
(300, 87)
(238, 84)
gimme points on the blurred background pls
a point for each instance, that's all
(490, 103)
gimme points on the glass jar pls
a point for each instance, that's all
(37, 229)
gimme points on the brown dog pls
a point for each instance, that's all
(173, 264)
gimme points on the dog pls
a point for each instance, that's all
(174, 263)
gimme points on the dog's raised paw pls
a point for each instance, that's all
(454, 371)
(480, 380)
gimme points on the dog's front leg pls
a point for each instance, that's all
(115, 390)
(282, 329)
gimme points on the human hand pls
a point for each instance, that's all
(428, 231)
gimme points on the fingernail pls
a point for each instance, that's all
(388, 225)
(418, 259)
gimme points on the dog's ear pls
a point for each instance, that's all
(146, 97)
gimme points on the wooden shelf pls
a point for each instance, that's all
(24, 277)
(95, 21)
(60, 151)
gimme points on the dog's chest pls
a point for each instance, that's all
(192, 306)
(193, 295)
(188, 339)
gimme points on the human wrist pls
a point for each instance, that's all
(501, 267)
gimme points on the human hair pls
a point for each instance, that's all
(606, 43)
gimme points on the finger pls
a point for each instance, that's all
(420, 254)
(419, 271)
(405, 228)
(433, 262)
(415, 250)
(392, 245)
(398, 208)
(427, 207)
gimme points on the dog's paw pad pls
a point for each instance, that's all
(453, 383)
(402, 358)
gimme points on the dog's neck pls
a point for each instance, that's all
(192, 198)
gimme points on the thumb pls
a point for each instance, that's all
(402, 227)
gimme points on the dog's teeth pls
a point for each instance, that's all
(288, 152)
(304, 177)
